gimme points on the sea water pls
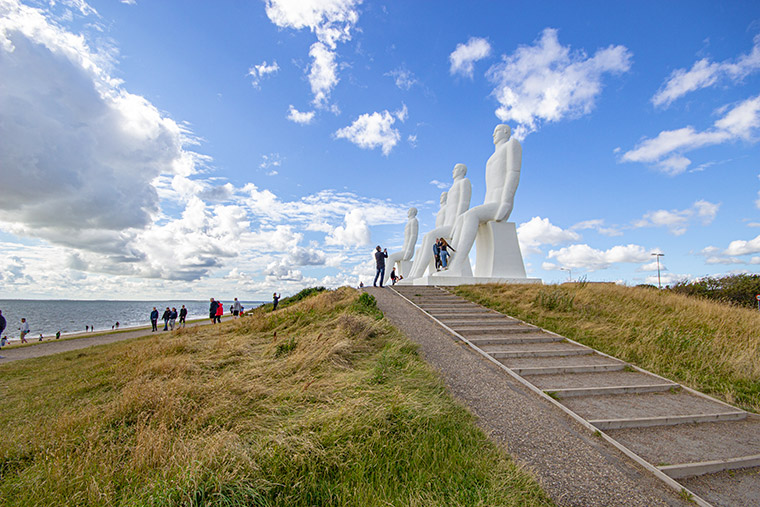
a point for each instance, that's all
(71, 316)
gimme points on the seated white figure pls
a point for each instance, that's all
(453, 203)
(502, 178)
(406, 252)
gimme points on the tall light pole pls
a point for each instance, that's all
(657, 256)
(569, 274)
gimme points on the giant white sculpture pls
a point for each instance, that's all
(453, 203)
(403, 256)
(498, 257)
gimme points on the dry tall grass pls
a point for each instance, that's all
(320, 403)
(709, 346)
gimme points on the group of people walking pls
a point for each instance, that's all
(169, 317)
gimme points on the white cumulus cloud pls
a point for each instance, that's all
(540, 231)
(371, 131)
(466, 54)
(666, 150)
(257, 72)
(677, 221)
(353, 232)
(705, 73)
(296, 116)
(590, 259)
(332, 21)
(547, 82)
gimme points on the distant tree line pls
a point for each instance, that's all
(735, 289)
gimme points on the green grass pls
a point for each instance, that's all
(322, 403)
(710, 346)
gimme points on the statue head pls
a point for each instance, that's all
(501, 133)
(412, 212)
(444, 197)
(459, 171)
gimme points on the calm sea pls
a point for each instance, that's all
(68, 316)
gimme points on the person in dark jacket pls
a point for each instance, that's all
(275, 300)
(154, 319)
(212, 311)
(380, 256)
(182, 316)
(165, 317)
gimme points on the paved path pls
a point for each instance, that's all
(52, 346)
(574, 467)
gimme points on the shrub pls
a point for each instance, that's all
(736, 289)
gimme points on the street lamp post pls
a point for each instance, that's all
(569, 274)
(657, 256)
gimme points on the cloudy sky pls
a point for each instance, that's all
(187, 149)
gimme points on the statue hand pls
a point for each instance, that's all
(503, 212)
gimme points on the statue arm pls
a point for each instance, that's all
(513, 161)
(464, 197)
(410, 239)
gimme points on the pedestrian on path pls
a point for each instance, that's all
(380, 256)
(172, 318)
(154, 319)
(24, 330)
(165, 317)
(219, 312)
(212, 310)
(182, 316)
(3, 323)
(236, 306)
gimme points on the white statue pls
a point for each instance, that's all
(406, 252)
(453, 203)
(502, 177)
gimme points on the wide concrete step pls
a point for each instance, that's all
(603, 391)
(453, 310)
(694, 443)
(647, 422)
(485, 321)
(505, 329)
(684, 470)
(542, 353)
(624, 377)
(579, 368)
(471, 316)
(541, 362)
(643, 406)
(536, 338)
(553, 346)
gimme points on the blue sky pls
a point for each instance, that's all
(189, 149)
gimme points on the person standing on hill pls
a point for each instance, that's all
(236, 308)
(3, 323)
(182, 316)
(165, 317)
(154, 319)
(219, 311)
(380, 256)
(275, 300)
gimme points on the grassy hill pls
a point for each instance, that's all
(710, 346)
(320, 403)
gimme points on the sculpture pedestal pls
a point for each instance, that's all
(497, 259)
(498, 252)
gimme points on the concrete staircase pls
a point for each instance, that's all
(684, 437)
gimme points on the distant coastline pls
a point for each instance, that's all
(71, 317)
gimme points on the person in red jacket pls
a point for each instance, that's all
(219, 311)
